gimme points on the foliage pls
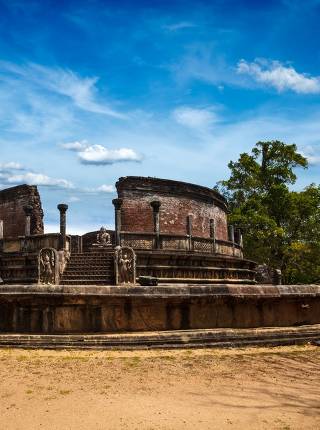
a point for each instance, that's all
(280, 226)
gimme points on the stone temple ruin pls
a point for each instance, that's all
(172, 265)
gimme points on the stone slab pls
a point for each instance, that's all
(214, 338)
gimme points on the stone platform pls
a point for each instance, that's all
(212, 338)
(66, 310)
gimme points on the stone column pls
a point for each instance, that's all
(63, 224)
(213, 233)
(156, 221)
(231, 236)
(1, 229)
(117, 203)
(189, 231)
(28, 211)
(240, 238)
(240, 241)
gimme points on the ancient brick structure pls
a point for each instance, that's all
(183, 207)
(13, 202)
(169, 233)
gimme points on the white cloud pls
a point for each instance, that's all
(195, 118)
(81, 90)
(74, 199)
(75, 146)
(311, 154)
(97, 190)
(38, 179)
(276, 75)
(106, 188)
(178, 26)
(12, 165)
(10, 174)
(100, 155)
(201, 63)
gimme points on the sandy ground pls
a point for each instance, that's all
(252, 388)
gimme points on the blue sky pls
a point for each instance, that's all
(94, 90)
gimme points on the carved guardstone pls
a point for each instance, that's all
(48, 263)
(125, 265)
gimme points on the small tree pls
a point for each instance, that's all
(280, 226)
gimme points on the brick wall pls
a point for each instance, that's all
(12, 201)
(178, 201)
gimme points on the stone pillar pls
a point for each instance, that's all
(189, 231)
(231, 236)
(1, 229)
(213, 233)
(156, 221)
(117, 203)
(28, 211)
(240, 242)
(63, 224)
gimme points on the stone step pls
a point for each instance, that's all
(26, 280)
(89, 267)
(200, 338)
(81, 260)
(102, 271)
(93, 254)
(93, 266)
(86, 282)
(91, 263)
(84, 276)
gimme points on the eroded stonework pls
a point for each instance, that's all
(125, 265)
(12, 213)
(48, 266)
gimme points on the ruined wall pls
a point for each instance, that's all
(79, 309)
(12, 201)
(178, 201)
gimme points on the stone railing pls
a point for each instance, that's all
(152, 241)
(34, 243)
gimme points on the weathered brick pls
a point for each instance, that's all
(12, 201)
(178, 201)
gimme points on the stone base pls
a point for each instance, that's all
(214, 338)
(114, 309)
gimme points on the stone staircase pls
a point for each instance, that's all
(90, 268)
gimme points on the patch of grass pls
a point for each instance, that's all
(64, 392)
(74, 357)
(50, 398)
(133, 361)
(22, 358)
(168, 358)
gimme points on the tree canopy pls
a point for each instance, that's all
(280, 226)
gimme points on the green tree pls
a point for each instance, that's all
(281, 227)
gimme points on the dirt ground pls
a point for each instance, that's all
(251, 388)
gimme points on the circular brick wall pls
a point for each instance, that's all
(179, 200)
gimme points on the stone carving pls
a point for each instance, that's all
(103, 239)
(125, 265)
(48, 266)
(64, 257)
(277, 277)
(267, 275)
